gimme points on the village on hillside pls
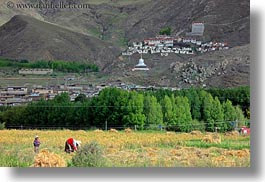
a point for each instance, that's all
(165, 44)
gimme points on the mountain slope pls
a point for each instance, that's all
(225, 20)
(7, 13)
(24, 37)
(119, 21)
(89, 34)
(226, 68)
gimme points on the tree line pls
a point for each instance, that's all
(183, 111)
(64, 66)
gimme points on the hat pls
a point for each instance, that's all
(36, 136)
(78, 143)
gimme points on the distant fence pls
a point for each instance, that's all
(22, 127)
(101, 127)
(106, 126)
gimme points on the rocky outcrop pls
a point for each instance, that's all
(193, 73)
(218, 67)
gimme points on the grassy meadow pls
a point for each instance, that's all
(130, 149)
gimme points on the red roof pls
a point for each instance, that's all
(155, 39)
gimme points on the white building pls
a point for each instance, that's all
(137, 44)
(35, 71)
(197, 29)
(140, 66)
(152, 42)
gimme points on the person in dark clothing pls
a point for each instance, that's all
(36, 144)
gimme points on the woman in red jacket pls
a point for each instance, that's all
(71, 145)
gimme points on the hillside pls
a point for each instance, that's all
(226, 68)
(101, 31)
(225, 20)
(7, 13)
(120, 21)
(24, 37)
(101, 18)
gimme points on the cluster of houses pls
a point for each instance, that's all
(164, 45)
(21, 95)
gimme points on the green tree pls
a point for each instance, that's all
(2, 126)
(208, 104)
(213, 113)
(81, 117)
(183, 114)
(119, 107)
(62, 98)
(109, 106)
(13, 116)
(135, 115)
(165, 31)
(81, 98)
(152, 111)
(195, 102)
(238, 96)
(37, 113)
(62, 111)
(240, 116)
(218, 115)
(169, 115)
(100, 107)
(229, 114)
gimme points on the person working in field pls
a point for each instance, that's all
(71, 145)
(36, 144)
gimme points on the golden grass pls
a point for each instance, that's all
(128, 130)
(196, 132)
(113, 130)
(232, 133)
(47, 159)
(137, 149)
(212, 138)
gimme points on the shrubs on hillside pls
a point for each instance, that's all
(64, 66)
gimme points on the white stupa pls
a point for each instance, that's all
(140, 66)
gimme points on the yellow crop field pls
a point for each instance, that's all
(130, 149)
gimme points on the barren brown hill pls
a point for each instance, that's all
(122, 21)
(24, 37)
(113, 21)
(225, 20)
(226, 68)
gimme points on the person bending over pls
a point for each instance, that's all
(71, 145)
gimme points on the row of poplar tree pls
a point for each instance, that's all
(184, 110)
